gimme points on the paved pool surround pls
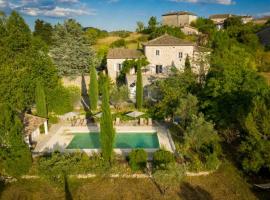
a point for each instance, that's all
(65, 134)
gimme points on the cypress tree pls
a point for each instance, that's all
(93, 88)
(40, 100)
(187, 64)
(139, 87)
(107, 132)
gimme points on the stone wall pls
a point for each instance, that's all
(76, 81)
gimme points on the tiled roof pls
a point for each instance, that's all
(31, 123)
(217, 16)
(167, 40)
(179, 13)
(121, 53)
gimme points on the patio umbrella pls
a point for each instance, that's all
(135, 114)
(98, 115)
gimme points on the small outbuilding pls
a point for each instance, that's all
(32, 125)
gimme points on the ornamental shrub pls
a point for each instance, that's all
(137, 159)
(162, 158)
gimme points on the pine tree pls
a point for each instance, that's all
(107, 132)
(139, 88)
(40, 100)
(93, 88)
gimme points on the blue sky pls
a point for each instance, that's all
(123, 14)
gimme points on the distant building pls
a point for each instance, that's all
(189, 30)
(178, 19)
(219, 19)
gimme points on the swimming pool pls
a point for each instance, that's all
(122, 141)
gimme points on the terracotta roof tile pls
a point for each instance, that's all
(179, 13)
(121, 53)
(167, 40)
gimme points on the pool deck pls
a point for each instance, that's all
(60, 138)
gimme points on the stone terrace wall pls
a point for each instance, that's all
(76, 81)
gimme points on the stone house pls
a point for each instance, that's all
(162, 53)
(189, 30)
(178, 19)
(219, 19)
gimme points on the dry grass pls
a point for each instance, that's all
(225, 184)
(267, 76)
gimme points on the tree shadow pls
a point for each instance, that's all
(2, 187)
(68, 195)
(85, 98)
(189, 192)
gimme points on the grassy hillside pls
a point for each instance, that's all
(224, 184)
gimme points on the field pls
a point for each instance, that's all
(131, 41)
(224, 184)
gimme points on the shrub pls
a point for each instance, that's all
(62, 99)
(137, 159)
(212, 162)
(162, 158)
(118, 43)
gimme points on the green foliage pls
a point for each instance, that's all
(119, 95)
(40, 100)
(187, 64)
(15, 157)
(93, 88)
(152, 23)
(139, 88)
(71, 52)
(118, 43)
(55, 166)
(61, 99)
(172, 176)
(23, 61)
(204, 25)
(140, 27)
(107, 132)
(173, 31)
(233, 22)
(187, 109)
(122, 34)
(162, 158)
(93, 34)
(137, 159)
(255, 147)
(44, 31)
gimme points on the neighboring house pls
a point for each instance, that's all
(116, 57)
(264, 36)
(178, 19)
(189, 30)
(219, 19)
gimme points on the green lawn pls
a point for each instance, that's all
(225, 184)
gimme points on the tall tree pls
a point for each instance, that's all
(93, 88)
(152, 23)
(15, 157)
(107, 132)
(40, 100)
(71, 51)
(139, 88)
(44, 31)
(187, 64)
(140, 27)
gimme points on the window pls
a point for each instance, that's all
(119, 67)
(158, 69)
(157, 52)
(180, 55)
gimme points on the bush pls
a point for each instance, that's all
(137, 159)
(118, 43)
(162, 158)
(62, 99)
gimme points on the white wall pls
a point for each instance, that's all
(168, 56)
